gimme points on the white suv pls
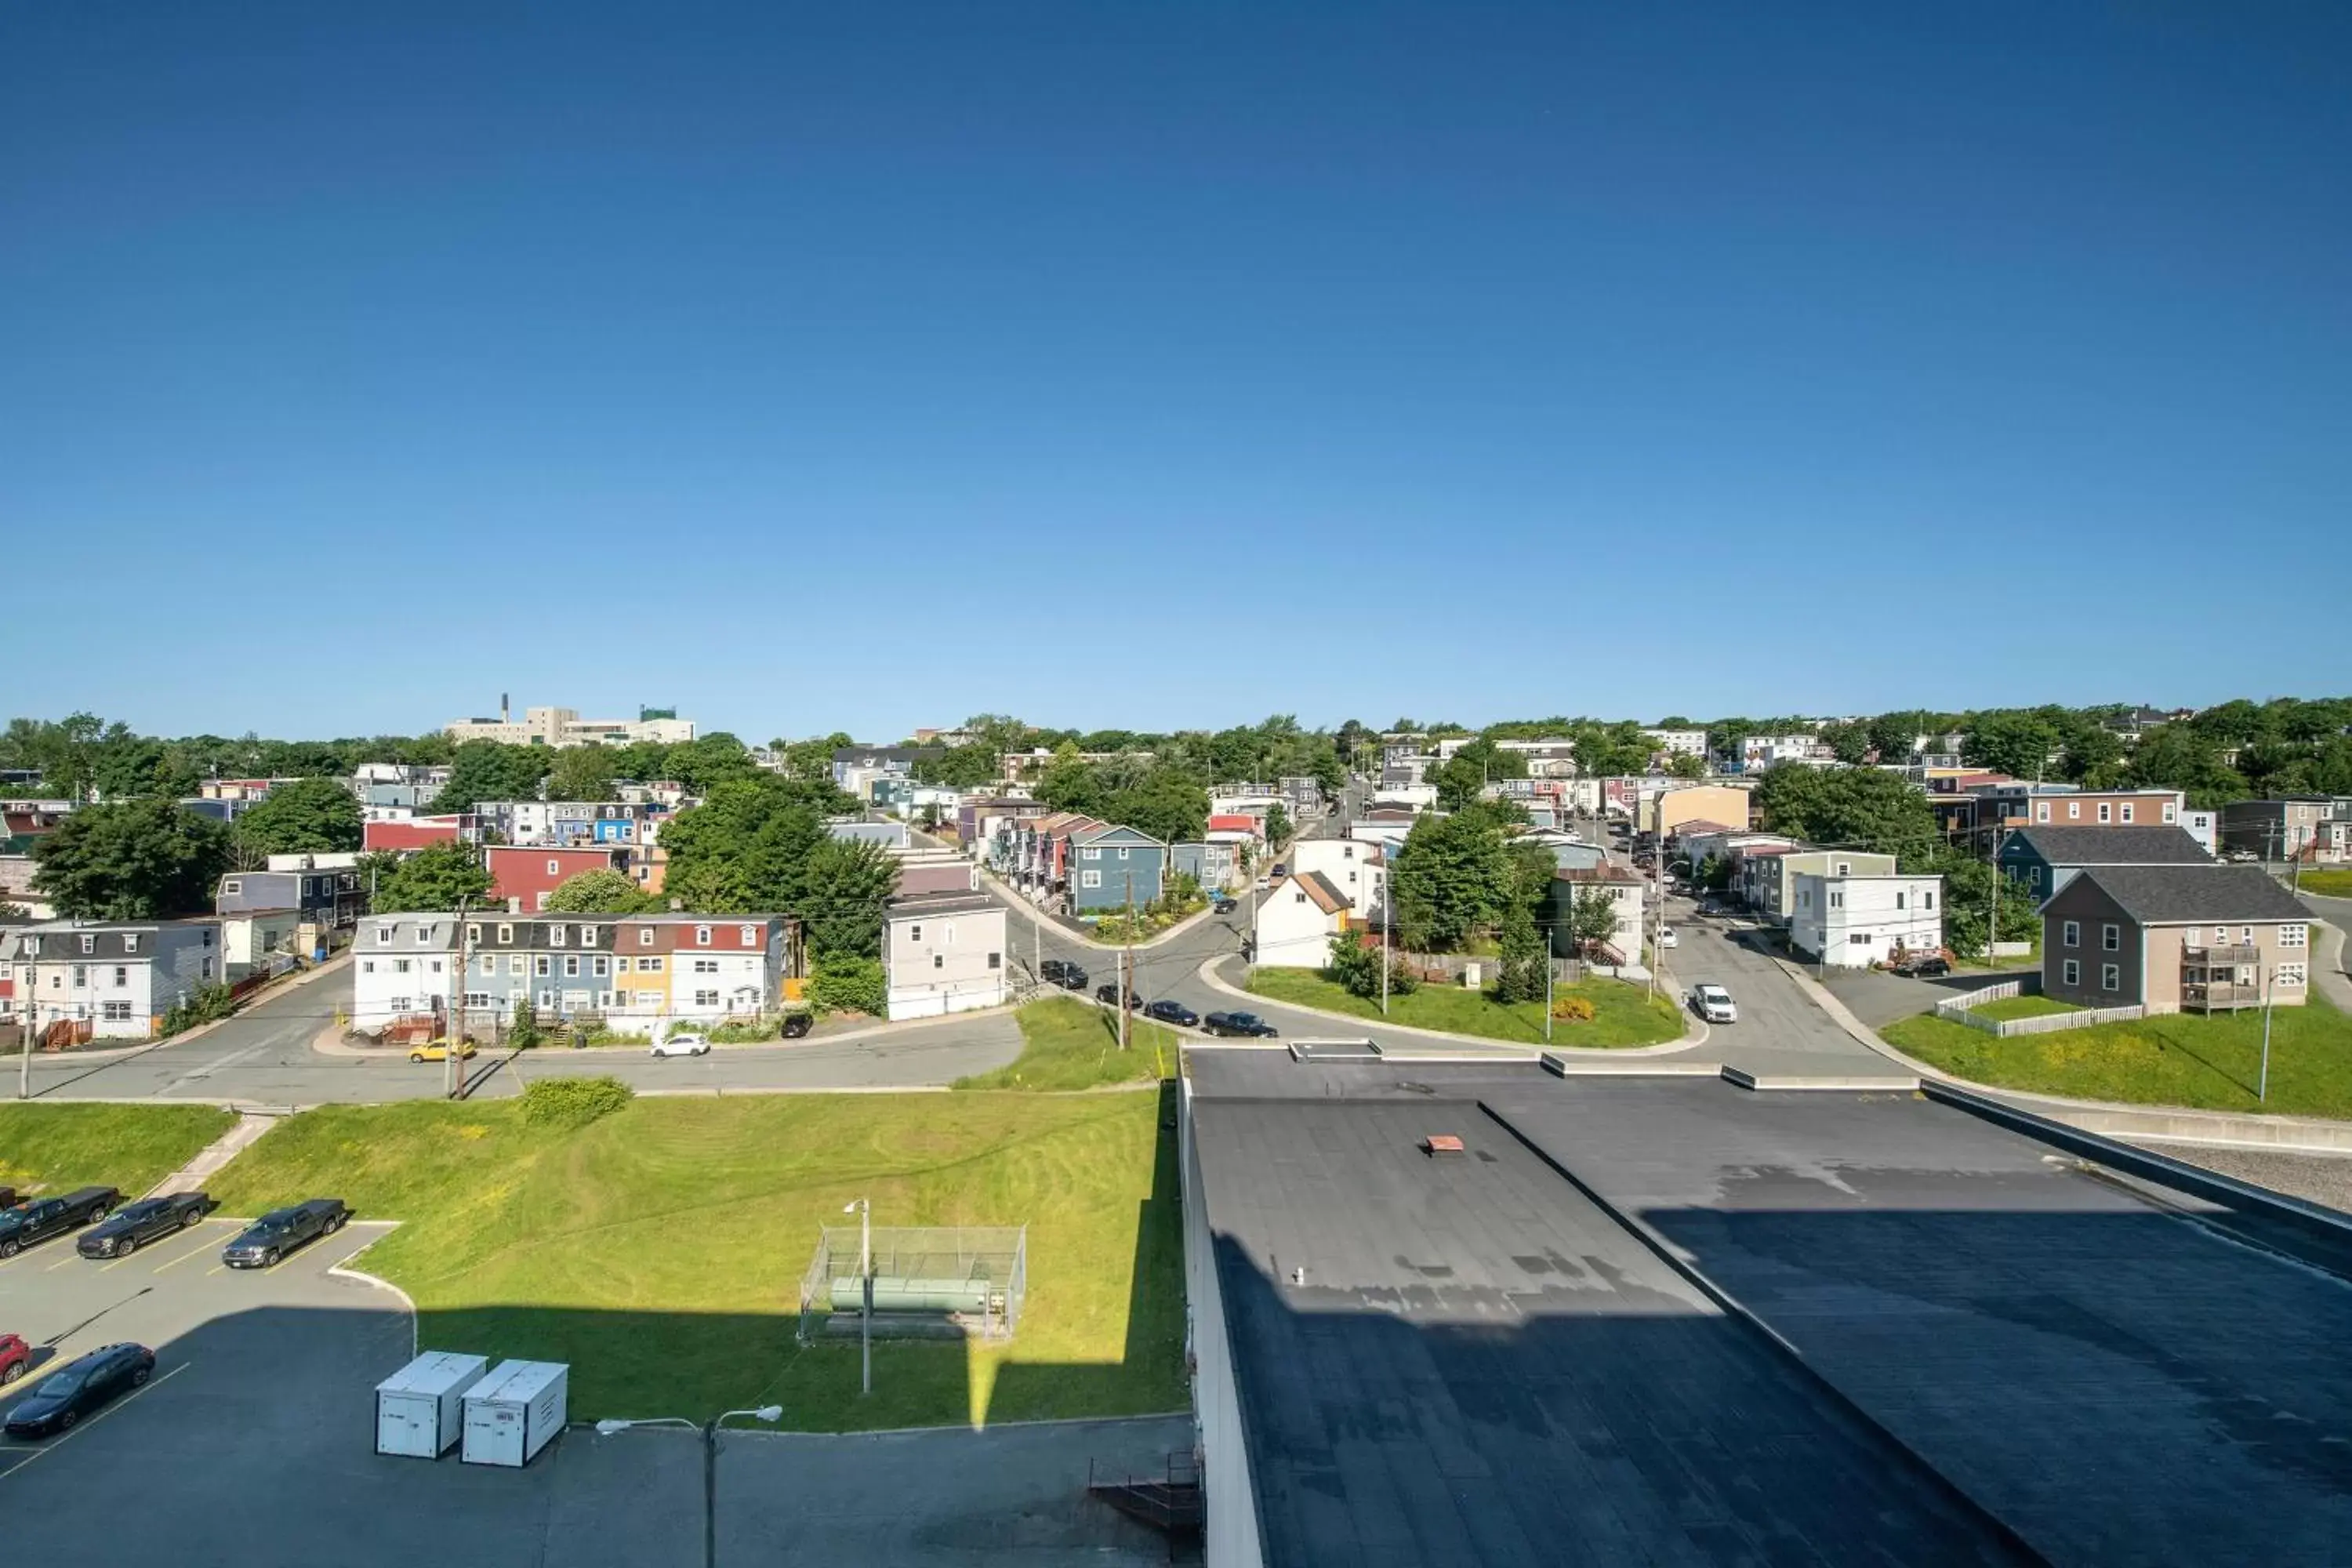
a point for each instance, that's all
(682, 1044)
(1713, 1003)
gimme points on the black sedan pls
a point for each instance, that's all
(1248, 1024)
(1169, 1012)
(1109, 997)
(61, 1399)
(280, 1231)
(1062, 973)
(142, 1222)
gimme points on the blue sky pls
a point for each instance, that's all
(870, 366)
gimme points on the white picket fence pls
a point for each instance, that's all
(1960, 1010)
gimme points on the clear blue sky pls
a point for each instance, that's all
(867, 366)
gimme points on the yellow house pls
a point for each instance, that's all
(1669, 809)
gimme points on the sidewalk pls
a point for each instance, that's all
(190, 1176)
(293, 980)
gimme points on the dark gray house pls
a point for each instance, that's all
(2043, 859)
(326, 898)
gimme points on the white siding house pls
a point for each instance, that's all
(1357, 869)
(116, 978)
(1297, 919)
(1857, 920)
(401, 967)
(944, 955)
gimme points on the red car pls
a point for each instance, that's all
(16, 1359)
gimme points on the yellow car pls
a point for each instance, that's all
(438, 1051)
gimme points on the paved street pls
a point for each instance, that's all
(264, 1056)
(1781, 1030)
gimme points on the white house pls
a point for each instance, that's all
(1856, 921)
(944, 954)
(1297, 919)
(1359, 870)
(115, 978)
(401, 967)
(1623, 886)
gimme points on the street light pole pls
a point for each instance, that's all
(2263, 1084)
(864, 1207)
(709, 1434)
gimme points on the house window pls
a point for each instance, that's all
(649, 965)
(554, 868)
(571, 965)
(122, 976)
(1927, 900)
(2293, 936)
(1898, 904)
(130, 941)
(706, 999)
(489, 963)
(2111, 977)
(747, 935)
(515, 964)
(2106, 812)
(2169, 812)
(542, 967)
(233, 886)
(646, 938)
(2285, 975)
(2071, 934)
(705, 966)
(2072, 969)
(1859, 939)
(2111, 936)
(938, 961)
(477, 999)
(555, 936)
(2126, 812)
(1091, 852)
(1090, 879)
(435, 966)
(1837, 900)
(702, 936)
(2246, 937)
(205, 970)
(367, 966)
(546, 999)
(474, 934)
(81, 975)
(384, 939)
(89, 944)
(400, 1004)
(402, 965)
(2042, 811)
(599, 964)
(914, 933)
(115, 1012)
(1845, 868)
(995, 960)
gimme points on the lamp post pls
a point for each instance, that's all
(864, 1208)
(709, 1430)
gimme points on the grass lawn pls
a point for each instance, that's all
(2181, 1059)
(660, 1249)
(1622, 1014)
(2327, 882)
(2022, 1008)
(1068, 1044)
(56, 1148)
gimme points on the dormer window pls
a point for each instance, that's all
(702, 936)
(587, 936)
(749, 935)
(555, 936)
(645, 936)
(130, 941)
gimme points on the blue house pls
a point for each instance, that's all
(1109, 867)
(1213, 866)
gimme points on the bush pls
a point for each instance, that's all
(573, 1102)
(849, 985)
(524, 1034)
(747, 1034)
(1573, 1010)
(207, 1006)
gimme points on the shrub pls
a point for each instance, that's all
(525, 1031)
(849, 984)
(573, 1102)
(212, 1003)
(747, 1034)
(1573, 1010)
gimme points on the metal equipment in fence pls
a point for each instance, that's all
(928, 1280)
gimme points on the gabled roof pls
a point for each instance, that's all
(2179, 895)
(2149, 845)
(1102, 830)
(1317, 887)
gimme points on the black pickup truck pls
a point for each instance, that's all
(280, 1231)
(142, 1222)
(38, 1219)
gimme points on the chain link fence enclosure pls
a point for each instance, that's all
(929, 1281)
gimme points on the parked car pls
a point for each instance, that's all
(79, 1387)
(438, 1051)
(1169, 1012)
(798, 1023)
(1248, 1024)
(1109, 995)
(1281, 869)
(685, 1042)
(1666, 936)
(280, 1231)
(15, 1358)
(1714, 1004)
(142, 1222)
(1062, 973)
(38, 1219)
(1224, 903)
(1925, 965)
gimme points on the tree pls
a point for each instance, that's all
(1163, 803)
(1970, 886)
(1451, 878)
(1684, 765)
(2018, 742)
(960, 767)
(1519, 976)
(135, 859)
(1591, 918)
(1849, 742)
(605, 892)
(1278, 824)
(843, 885)
(2183, 757)
(1862, 808)
(484, 769)
(581, 773)
(1068, 782)
(306, 816)
(438, 877)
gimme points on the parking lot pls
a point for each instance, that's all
(254, 1442)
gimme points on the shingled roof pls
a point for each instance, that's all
(2179, 895)
(2149, 845)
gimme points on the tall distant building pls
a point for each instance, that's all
(564, 727)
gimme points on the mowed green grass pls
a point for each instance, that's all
(2007, 1007)
(1622, 1014)
(56, 1147)
(2181, 1059)
(1067, 1044)
(2328, 882)
(660, 1250)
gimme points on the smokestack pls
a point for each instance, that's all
(505, 714)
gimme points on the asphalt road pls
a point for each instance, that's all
(264, 1055)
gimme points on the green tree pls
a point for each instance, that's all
(581, 773)
(740, 852)
(1519, 974)
(484, 769)
(1851, 741)
(2186, 758)
(1164, 803)
(1451, 878)
(306, 816)
(1069, 782)
(1591, 918)
(136, 859)
(1861, 808)
(605, 892)
(2018, 742)
(1969, 888)
(960, 767)
(438, 877)
(1278, 824)
(1684, 765)
(842, 885)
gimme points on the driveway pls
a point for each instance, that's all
(1878, 998)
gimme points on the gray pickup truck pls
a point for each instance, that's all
(38, 1219)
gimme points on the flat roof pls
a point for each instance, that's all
(1483, 1364)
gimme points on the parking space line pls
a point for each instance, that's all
(142, 1255)
(201, 1247)
(62, 1438)
(73, 1257)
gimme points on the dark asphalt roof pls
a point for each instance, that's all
(2157, 845)
(2099, 1366)
(2156, 895)
(1479, 1366)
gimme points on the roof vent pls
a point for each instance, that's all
(1438, 1144)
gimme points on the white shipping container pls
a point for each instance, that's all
(420, 1410)
(515, 1412)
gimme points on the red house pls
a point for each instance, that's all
(523, 875)
(416, 832)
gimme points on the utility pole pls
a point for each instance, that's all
(2263, 1084)
(452, 1059)
(1549, 966)
(1992, 928)
(1127, 964)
